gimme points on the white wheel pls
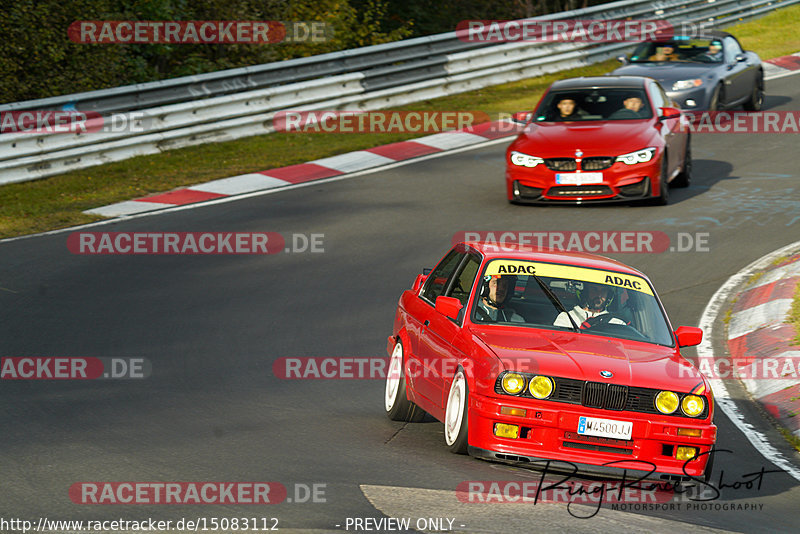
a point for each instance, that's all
(455, 418)
(393, 377)
(395, 398)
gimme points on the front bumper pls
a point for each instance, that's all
(619, 184)
(549, 432)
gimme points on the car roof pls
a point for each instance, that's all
(492, 250)
(590, 82)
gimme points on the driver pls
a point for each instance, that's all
(665, 52)
(594, 299)
(632, 108)
(714, 52)
(496, 291)
(567, 110)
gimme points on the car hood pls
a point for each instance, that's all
(667, 73)
(583, 356)
(594, 138)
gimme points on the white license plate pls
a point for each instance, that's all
(579, 178)
(605, 428)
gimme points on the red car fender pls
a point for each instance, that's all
(481, 365)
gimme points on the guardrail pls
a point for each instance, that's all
(230, 104)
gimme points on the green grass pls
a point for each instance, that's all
(58, 201)
(793, 317)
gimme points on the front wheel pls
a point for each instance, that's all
(685, 176)
(716, 99)
(395, 398)
(663, 198)
(456, 417)
(757, 96)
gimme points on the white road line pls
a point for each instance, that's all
(705, 351)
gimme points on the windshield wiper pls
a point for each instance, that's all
(557, 303)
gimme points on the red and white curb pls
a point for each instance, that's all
(711, 318)
(779, 66)
(758, 334)
(350, 162)
(314, 170)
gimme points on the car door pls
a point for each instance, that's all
(431, 343)
(445, 363)
(739, 74)
(670, 128)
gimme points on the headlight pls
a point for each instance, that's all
(541, 387)
(667, 402)
(680, 85)
(524, 160)
(692, 405)
(640, 156)
(513, 383)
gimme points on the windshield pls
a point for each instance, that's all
(597, 302)
(685, 50)
(594, 104)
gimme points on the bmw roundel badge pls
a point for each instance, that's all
(606, 374)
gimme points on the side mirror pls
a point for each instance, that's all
(448, 306)
(622, 59)
(688, 336)
(669, 113)
(522, 116)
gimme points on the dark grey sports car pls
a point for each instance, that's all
(706, 72)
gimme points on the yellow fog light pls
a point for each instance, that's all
(692, 405)
(508, 410)
(541, 387)
(692, 432)
(685, 453)
(502, 430)
(667, 402)
(513, 383)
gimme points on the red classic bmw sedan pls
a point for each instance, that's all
(531, 356)
(606, 138)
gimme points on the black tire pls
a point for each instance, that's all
(395, 399)
(715, 104)
(709, 466)
(663, 198)
(685, 176)
(757, 96)
(456, 417)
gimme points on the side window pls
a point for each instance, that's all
(464, 280)
(664, 97)
(436, 281)
(731, 49)
(658, 99)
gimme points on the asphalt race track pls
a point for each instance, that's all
(212, 326)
